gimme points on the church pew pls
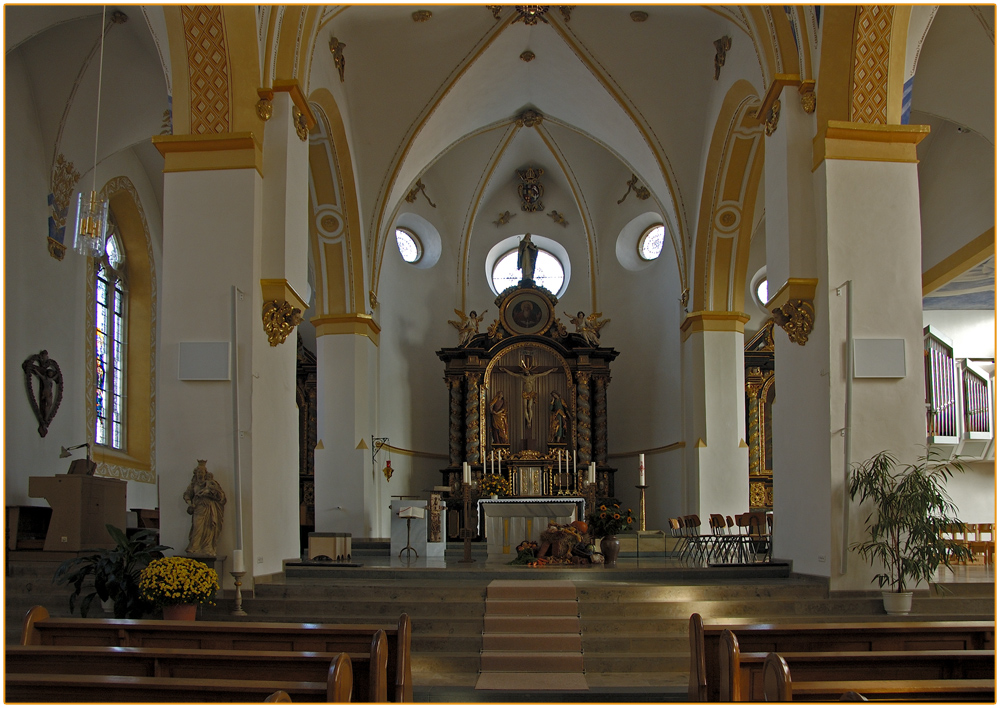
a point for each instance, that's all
(39, 628)
(826, 636)
(96, 688)
(369, 686)
(741, 674)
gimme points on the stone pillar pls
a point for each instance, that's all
(454, 420)
(473, 442)
(717, 479)
(583, 439)
(601, 419)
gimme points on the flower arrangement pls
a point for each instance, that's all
(610, 519)
(494, 484)
(178, 581)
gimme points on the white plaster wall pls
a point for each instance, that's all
(974, 492)
(211, 223)
(972, 332)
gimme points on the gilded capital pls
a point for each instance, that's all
(279, 318)
(796, 317)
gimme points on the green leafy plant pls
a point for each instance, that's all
(609, 518)
(178, 581)
(494, 484)
(112, 573)
(910, 513)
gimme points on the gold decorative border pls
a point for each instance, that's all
(208, 68)
(228, 151)
(774, 91)
(294, 91)
(971, 254)
(544, 304)
(793, 289)
(279, 289)
(706, 321)
(362, 325)
(870, 74)
(844, 140)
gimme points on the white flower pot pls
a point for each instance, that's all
(897, 603)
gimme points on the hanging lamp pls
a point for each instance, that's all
(91, 225)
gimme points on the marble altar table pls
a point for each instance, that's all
(510, 521)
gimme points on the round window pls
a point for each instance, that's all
(409, 245)
(761, 291)
(651, 243)
(549, 271)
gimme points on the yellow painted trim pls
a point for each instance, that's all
(844, 140)
(229, 151)
(362, 325)
(971, 254)
(774, 90)
(706, 321)
(680, 445)
(762, 32)
(244, 66)
(793, 289)
(701, 443)
(836, 68)
(280, 289)
(415, 453)
(179, 79)
(897, 63)
(291, 86)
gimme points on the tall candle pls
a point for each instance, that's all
(238, 566)
(592, 473)
(466, 473)
(642, 470)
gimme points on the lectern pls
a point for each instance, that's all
(81, 508)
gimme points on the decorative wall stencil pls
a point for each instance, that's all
(530, 190)
(64, 179)
(337, 50)
(558, 218)
(773, 115)
(411, 196)
(279, 318)
(504, 219)
(527, 55)
(638, 16)
(421, 15)
(50, 388)
(722, 45)
(372, 300)
(869, 80)
(529, 119)
(167, 124)
(632, 186)
(208, 68)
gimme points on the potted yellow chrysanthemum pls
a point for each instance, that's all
(178, 585)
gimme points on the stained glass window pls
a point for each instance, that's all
(549, 271)
(409, 245)
(651, 243)
(111, 298)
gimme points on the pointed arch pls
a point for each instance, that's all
(729, 196)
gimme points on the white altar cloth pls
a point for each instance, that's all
(510, 521)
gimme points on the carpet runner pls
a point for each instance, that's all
(531, 637)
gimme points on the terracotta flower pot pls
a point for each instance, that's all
(610, 545)
(188, 613)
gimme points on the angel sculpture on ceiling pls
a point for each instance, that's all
(467, 326)
(589, 326)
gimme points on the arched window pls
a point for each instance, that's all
(110, 341)
(409, 245)
(549, 272)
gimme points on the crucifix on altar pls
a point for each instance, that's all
(528, 375)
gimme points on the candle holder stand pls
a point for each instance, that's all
(466, 532)
(238, 579)
(642, 505)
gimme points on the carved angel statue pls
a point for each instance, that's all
(589, 326)
(468, 326)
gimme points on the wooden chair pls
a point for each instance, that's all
(777, 679)
(983, 544)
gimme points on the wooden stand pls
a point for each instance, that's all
(81, 508)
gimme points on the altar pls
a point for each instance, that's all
(508, 522)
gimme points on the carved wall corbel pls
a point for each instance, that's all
(279, 318)
(796, 317)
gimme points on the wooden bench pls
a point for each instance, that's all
(78, 688)
(825, 636)
(779, 686)
(741, 675)
(257, 666)
(39, 628)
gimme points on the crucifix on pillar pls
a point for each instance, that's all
(528, 375)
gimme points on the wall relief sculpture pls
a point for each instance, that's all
(50, 388)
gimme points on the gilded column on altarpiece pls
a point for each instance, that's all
(601, 420)
(454, 420)
(583, 417)
(472, 427)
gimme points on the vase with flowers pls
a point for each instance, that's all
(606, 522)
(178, 585)
(493, 485)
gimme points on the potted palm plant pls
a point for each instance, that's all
(905, 527)
(112, 574)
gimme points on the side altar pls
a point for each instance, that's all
(528, 400)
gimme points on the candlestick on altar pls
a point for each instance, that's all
(642, 506)
(238, 580)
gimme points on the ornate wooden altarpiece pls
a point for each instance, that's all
(758, 360)
(527, 362)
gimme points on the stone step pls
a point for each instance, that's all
(535, 625)
(444, 662)
(532, 642)
(636, 662)
(416, 593)
(534, 608)
(618, 592)
(533, 662)
(535, 590)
